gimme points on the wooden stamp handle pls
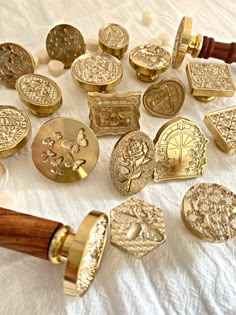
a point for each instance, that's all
(218, 50)
(26, 233)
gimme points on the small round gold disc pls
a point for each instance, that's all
(15, 130)
(165, 98)
(208, 210)
(149, 61)
(65, 43)
(97, 72)
(15, 61)
(65, 150)
(41, 94)
(132, 162)
(113, 39)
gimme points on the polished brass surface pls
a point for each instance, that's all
(97, 72)
(149, 61)
(113, 39)
(185, 42)
(165, 98)
(15, 61)
(114, 114)
(41, 94)
(209, 80)
(65, 43)
(65, 150)
(208, 210)
(222, 125)
(15, 130)
(180, 150)
(137, 227)
(132, 162)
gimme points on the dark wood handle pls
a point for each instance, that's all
(218, 50)
(26, 233)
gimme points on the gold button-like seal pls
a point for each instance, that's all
(65, 43)
(149, 61)
(15, 61)
(41, 94)
(15, 130)
(97, 73)
(113, 39)
(65, 150)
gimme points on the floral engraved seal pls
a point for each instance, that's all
(132, 162)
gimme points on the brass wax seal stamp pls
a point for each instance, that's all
(208, 210)
(65, 43)
(180, 150)
(15, 61)
(41, 94)
(65, 150)
(113, 39)
(132, 162)
(97, 73)
(149, 61)
(165, 98)
(209, 80)
(222, 125)
(137, 227)
(114, 114)
(15, 130)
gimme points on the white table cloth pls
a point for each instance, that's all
(185, 275)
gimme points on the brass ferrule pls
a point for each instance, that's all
(195, 45)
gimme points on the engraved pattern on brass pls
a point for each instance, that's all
(149, 61)
(65, 43)
(180, 150)
(208, 80)
(222, 124)
(165, 98)
(41, 94)
(208, 210)
(15, 61)
(114, 114)
(65, 150)
(97, 73)
(137, 227)
(132, 162)
(15, 130)
(113, 39)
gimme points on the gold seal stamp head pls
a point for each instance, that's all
(149, 61)
(113, 39)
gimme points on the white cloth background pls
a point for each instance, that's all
(185, 275)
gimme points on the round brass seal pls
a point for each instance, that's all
(65, 43)
(41, 94)
(15, 130)
(65, 150)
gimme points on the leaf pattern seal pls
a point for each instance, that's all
(132, 162)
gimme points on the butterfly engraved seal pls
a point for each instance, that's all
(68, 154)
(137, 227)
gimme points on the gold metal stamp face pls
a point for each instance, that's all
(113, 39)
(41, 94)
(65, 43)
(114, 114)
(208, 210)
(15, 61)
(149, 61)
(97, 73)
(180, 150)
(209, 80)
(137, 227)
(65, 150)
(222, 125)
(165, 98)
(132, 162)
(15, 130)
